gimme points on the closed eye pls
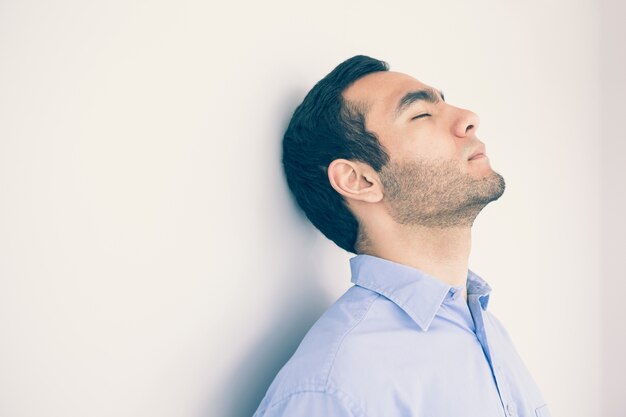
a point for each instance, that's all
(420, 116)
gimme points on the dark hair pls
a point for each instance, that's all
(325, 127)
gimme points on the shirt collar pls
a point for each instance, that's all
(420, 295)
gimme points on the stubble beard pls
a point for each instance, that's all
(437, 194)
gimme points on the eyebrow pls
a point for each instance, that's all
(428, 94)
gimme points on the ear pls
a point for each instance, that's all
(355, 180)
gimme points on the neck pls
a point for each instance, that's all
(441, 253)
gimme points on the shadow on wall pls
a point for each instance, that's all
(297, 307)
(245, 389)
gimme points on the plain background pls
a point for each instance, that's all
(152, 261)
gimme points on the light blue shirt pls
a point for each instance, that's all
(401, 343)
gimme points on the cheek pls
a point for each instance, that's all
(428, 147)
(421, 141)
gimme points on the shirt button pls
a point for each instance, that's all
(510, 409)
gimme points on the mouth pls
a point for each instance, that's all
(479, 152)
(478, 156)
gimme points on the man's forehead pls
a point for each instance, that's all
(382, 88)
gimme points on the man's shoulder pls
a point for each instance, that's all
(313, 359)
(310, 367)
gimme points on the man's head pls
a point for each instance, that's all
(367, 142)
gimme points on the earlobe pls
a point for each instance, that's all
(354, 180)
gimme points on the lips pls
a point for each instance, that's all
(480, 151)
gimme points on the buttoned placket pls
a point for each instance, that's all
(476, 304)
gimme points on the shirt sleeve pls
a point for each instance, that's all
(313, 404)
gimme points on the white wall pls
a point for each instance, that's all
(152, 261)
(613, 146)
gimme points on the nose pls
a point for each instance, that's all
(467, 122)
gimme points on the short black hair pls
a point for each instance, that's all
(325, 127)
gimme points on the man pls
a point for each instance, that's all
(387, 169)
